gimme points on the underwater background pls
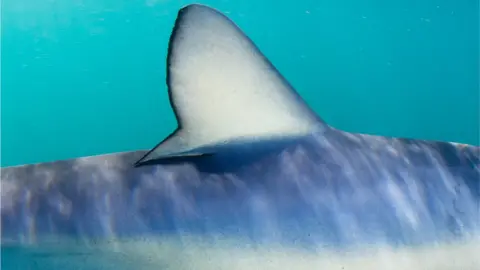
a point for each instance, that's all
(87, 77)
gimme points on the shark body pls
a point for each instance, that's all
(251, 167)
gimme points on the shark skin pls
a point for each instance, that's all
(277, 189)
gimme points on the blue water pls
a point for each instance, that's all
(85, 77)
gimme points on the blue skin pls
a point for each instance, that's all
(331, 188)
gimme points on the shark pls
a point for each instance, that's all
(252, 178)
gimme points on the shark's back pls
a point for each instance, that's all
(304, 192)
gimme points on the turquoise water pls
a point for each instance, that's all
(85, 77)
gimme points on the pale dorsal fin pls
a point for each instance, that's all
(223, 89)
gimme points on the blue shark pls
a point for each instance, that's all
(252, 178)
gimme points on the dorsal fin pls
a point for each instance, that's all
(223, 89)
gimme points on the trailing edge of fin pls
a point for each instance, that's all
(223, 89)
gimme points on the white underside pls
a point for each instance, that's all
(197, 254)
